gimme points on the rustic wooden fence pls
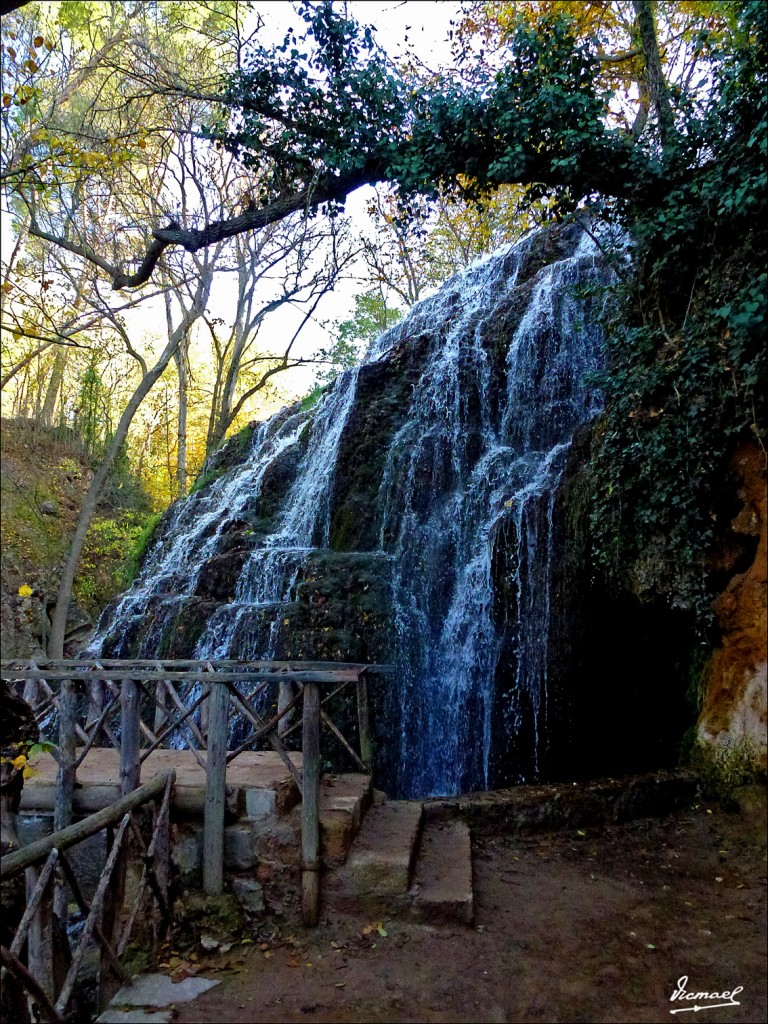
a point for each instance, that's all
(136, 707)
(52, 968)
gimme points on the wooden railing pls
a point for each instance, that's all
(50, 872)
(136, 707)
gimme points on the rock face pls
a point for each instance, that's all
(734, 682)
(430, 512)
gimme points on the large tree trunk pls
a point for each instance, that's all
(658, 90)
(54, 387)
(182, 367)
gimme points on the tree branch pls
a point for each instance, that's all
(618, 58)
(84, 251)
(18, 367)
(251, 219)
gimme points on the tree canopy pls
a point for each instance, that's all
(326, 111)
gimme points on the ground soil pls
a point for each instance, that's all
(585, 925)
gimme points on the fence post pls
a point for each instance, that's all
(215, 791)
(161, 704)
(65, 776)
(96, 690)
(162, 843)
(130, 779)
(40, 935)
(205, 710)
(285, 694)
(364, 722)
(32, 693)
(130, 733)
(65, 780)
(310, 809)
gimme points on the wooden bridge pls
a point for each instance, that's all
(134, 712)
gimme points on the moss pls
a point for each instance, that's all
(138, 549)
(218, 577)
(277, 481)
(219, 916)
(45, 479)
(310, 401)
(229, 454)
(383, 398)
(341, 612)
(180, 638)
(726, 767)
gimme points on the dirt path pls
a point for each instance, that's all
(569, 927)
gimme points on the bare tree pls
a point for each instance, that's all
(64, 597)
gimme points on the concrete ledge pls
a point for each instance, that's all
(381, 861)
(568, 805)
(259, 784)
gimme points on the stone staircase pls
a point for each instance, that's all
(381, 857)
(405, 864)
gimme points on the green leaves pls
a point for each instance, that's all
(686, 380)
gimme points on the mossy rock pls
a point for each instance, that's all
(220, 917)
(217, 580)
(277, 480)
(342, 609)
(382, 403)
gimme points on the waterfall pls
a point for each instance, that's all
(172, 566)
(269, 575)
(464, 507)
(466, 463)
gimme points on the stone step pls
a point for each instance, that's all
(378, 871)
(401, 867)
(344, 800)
(442, 889)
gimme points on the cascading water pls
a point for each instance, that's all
(465, 463)
(172, 567)
(269, 575)
(463, 495)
